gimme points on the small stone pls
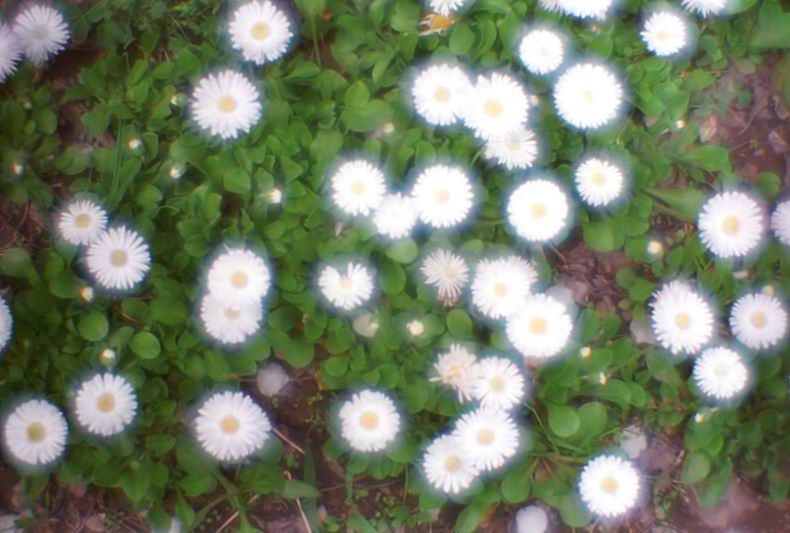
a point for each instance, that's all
(642, 331)
(271, 379)
(365, 325)
(634, 442)
(532, 519)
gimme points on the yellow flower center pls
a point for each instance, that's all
(36, 432)
(231, 314)
(586, 96)
(118, 258)
(440, 23)
(609, 485)
(662, 35)
(442, 197)
(500, 289)
(759, 320)
(683, 321)
(538, 325)
(722, 370)
(442, 94)
(227, 104)
(229, 424)
(452, 463)
(106, 402)
(493, 108)
(239, 279)
(260, 31)
(450, 272)
(538, 210)
(599, 179)
(496, 384)
(485, 436)
(730, 225)
(513, 145)
(358, 188)
(369, 420)
(82, 220)
(346, 282)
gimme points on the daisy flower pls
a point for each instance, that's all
(445, 7)
(230, 426)
(516, 149)
(369, 421)
(487, 437)
(446, 272)
(499, 384)
(440, 93)
(41, 32)
(720, 373)
(446, 468)
(759, 321)
(81, 222)
(6, 323)
(230, 323)
(539, 210)
(731, 224)
(226, 104)
(346, 288)
(706, 7)
(238, 276)
(105, 404)
(780, 222)
(588, 96)
(35, 433)
(599, 181)
(260, 31)
(500, 287)
(665, 33)
(457, 368)
(609, 486)
(541, 50)
(10, 53)
(119, 258)
(443, 195)
(396, 216)
(498, 104)
(358, 187)
(542, 328)
(682, 319)
(586, 8)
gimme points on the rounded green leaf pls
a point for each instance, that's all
(459, 323)
(592, 416)
(93, 326)
(695, 468)
(563, 420)
(145, 345)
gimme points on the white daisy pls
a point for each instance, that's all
(105, 404)
(226, 104)
(498, 104)
(358, 187)
(346, 288)
(230, 323)
(446, 272)
(780, 222)
(541, 51)
(542, 328)
(440, 93)
(41, 32)
(81, 222)
(230, 426)
(682, 320)
(759, 321)
(609, 486)
(369, 421)
(731, 224)
(238, 276)
(499, 384)
(586, 8)
(443, 195)
(588, 96)
(6, 323)
(396, 216)
(10, 53)
(119, 258)
(706, 7)
(515, 149)
(665, 33)
(720, 373)
(500, 287)
(539, 210)
(599, 181)
(487, 437)
(260, 31)
(549, 5)
(445, 7)
(35, 432)
(457, 368)
(446, 467)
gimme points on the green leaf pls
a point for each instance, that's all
(93, 326)
(695, 468)
(367, 118)
(393, 278)
(15, 262)
(236, 180)
(295, 489)
(563, 420)
(592, 418)
(145, 345)
(710, 157)
(603, 236)
(515, 486)
(683, 203)
(572, 512)
(461, 39)
(357, 95)
(65, 285)
(459, 323)
(404, 251)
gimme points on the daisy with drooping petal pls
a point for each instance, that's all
(230, 323)
(780, 222)
(499, 384)
(445, 7)
(226, 104)
(599, 181)
(105, 405)
(6, 323)
(446, 468)
(358, 187)
(396, 216)
(541, 51)
(443, 195)
(10, 53)
(516, 149)
(119, 258)
(500, 287)
(759, 321)
(230, 426)
(446, 272)
(720, 373)
(497, 105)
(549, 5)
(440, 93)
(81, 222)
(542, 328)
(238, 276)
(260, 31)
(706, 7)
(35, 432)
(539, 210)
(346, 287)
(665, 33)
(588, 96)
(457, 368)
(488, 437)
(731, 224)
(369, 421)
(586, 8)
(41, 32)
(609, 486)
(682, 319)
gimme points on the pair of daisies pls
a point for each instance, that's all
(599, 9)
(38, 33)
(684, 323)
